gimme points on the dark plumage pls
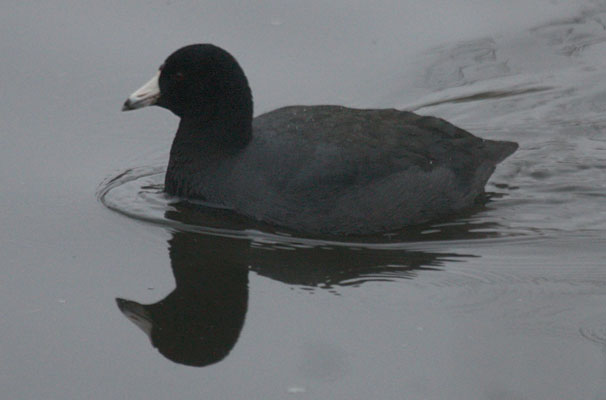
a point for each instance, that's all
(315, 169)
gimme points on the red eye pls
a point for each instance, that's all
(179, 76)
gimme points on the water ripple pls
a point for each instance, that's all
(138, 193)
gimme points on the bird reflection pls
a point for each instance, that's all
(199, 322)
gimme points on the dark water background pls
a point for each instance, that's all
(504, 302)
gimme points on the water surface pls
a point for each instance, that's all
(505, 301)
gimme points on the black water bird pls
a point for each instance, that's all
(314, 169)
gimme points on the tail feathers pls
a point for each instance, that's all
(497, 151)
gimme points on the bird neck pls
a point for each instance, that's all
(227, 133)
(199, 147)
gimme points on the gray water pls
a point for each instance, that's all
(504, 302)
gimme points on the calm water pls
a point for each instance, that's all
(507, 301)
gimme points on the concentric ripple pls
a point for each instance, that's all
(138, 193)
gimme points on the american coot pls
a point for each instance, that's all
(314, 169)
